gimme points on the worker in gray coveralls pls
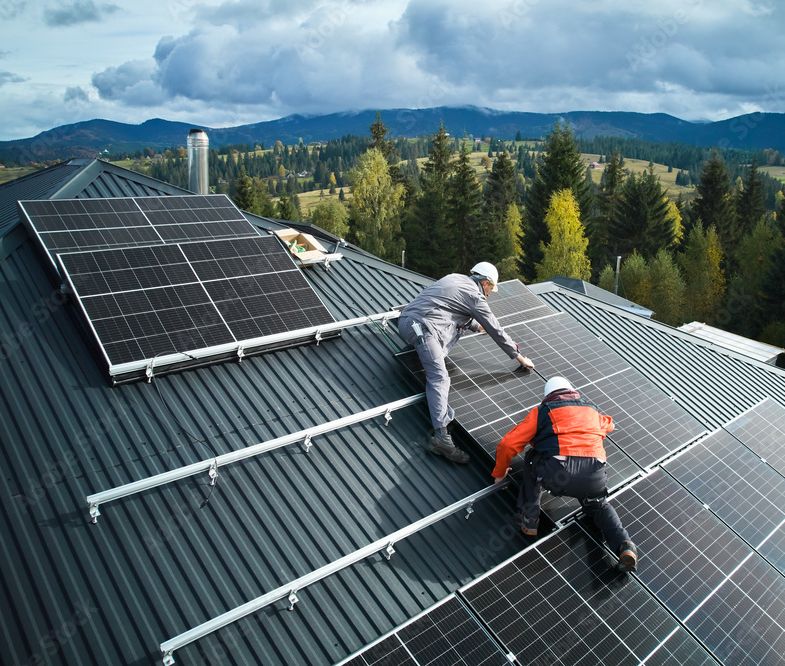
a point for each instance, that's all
(434, 321)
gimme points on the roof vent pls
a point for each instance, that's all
(198, 146)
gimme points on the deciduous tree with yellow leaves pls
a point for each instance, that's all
(565, 253)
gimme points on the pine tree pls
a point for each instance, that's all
(464, 202)
(750, 204)
(375, 206)
(607, 279)
(428, 229)
(667, 289)
(500, 192)
(245, 199)
(675, 221)
(607, 203)
(773, 288)
(565, 254)
(560, 168)
(701, 265)
(289, 208)
(714, 204)
(641, 221)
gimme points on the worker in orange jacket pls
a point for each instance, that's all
(566, 457)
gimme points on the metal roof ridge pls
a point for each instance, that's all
(545, 288)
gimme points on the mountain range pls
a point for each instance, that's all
(92, 137)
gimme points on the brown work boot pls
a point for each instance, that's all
(526, 531)
(442, 445)
(628, 557)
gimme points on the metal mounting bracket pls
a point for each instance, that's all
(307, 444)
(387, 417)
(389, 551)
(94, 513)
(318, 337)
(292, 599)
(168, 659)
(149, 371)
(213, 472)
(240, 354)
(469, 510)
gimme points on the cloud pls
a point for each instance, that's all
(78, 11)
(10, 77)
(75, 94)
(274, 57)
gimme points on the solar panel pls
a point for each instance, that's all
(515, 302)
(193, 298)
(445, 635)
(648, 424)
(762, 429)
(71, 225)
(747, 494)
(563, 602)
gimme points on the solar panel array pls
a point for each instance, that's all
(71, 225)
(172, 281)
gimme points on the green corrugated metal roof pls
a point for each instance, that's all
(157, 564)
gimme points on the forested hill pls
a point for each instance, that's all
(86, 139)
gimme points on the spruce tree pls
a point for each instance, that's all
(750, 203)
(607, 279)
(701, 264)
(464, 203)
(500, 192)
(641, 221)
(714, 204)
(607, 203)
(560, 168)
(428, 228)
(773, 289)
(667, 289)
(635, 280)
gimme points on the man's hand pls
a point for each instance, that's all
(525, 362)
(501, 478)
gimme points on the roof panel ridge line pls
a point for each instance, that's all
(211, 465)
(290, 590)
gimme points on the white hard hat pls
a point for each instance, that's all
(488, 271)
(556, 384)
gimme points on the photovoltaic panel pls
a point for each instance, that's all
(72, 225)
(746, 493)
(762, 429)
(648, 424)
(198, 299)
(563, 602)
(515, 302)
(446, 635)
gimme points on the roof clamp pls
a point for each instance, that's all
(318, 336)
(385, 321)
(149, 371)
(389, 551)
(168, 659)
(387, 417)
(307, 444)
(240, 353)
(469, 510)
(213, 472)
(94, 513)
(292, 599)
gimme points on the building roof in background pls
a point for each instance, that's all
(603, 295)
(760, 351)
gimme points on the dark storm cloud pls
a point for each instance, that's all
(76, 12)
(690, 56)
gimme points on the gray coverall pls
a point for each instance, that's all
(444, 311)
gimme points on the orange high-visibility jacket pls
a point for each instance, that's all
(566, 425)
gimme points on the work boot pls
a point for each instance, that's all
(520, 524)
(628, 557)
(442, 445)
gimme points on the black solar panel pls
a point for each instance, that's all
(563, 602)
(72, 225)
(648, 424)
(446, 635)
(514, 302)
(762, 429)
(746, 493)
(148, 302)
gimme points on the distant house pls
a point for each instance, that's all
(594, 165)
(602, 295)
(752, 348)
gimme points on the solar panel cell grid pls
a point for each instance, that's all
(762, 429)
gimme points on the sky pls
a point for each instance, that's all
(220, 63)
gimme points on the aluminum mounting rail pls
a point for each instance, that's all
(212, 464)
(291, 589)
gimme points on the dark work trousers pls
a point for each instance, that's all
(585, 479)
